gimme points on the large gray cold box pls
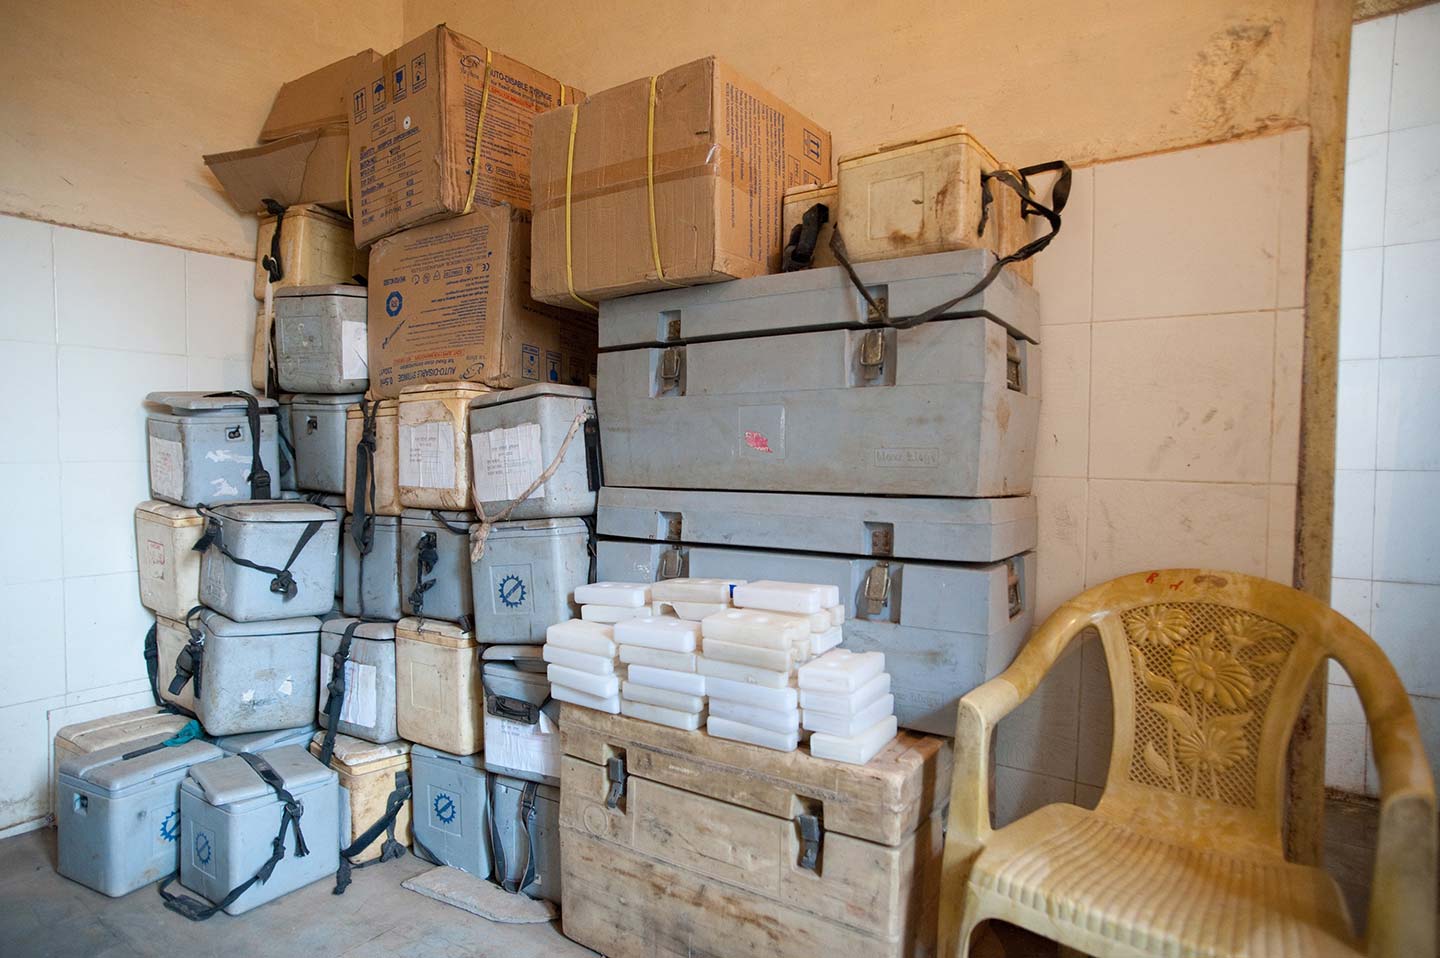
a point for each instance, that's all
(118, 818)
(201, 450)
(526, 580)
(516, 433)
(321, 339)
(525, 836)
(232, 817)
(784, 383)
(336, 504)
(368, 708)
(435, 564)
(372, 585)
(252, 676)
(522, 732)
(296, 544)
(944, 587)
(449, 821)
(317, 428)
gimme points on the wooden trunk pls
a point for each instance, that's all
(702, 855)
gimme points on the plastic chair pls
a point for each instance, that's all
(1183, 856)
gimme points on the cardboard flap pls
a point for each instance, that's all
(316, 100)
(304, 168)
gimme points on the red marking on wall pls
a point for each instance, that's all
(757, 441)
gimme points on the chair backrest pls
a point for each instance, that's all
(1208, 671)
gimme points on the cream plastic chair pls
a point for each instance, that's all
(1183, 856)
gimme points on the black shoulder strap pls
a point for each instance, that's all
(497, 847)
(389, 851)
(336, 689)
(283, 582)
(427, 554)
(152, 670)
(197, 910)
(259, 478)
(271, 264)
(804, 237)
(527, 821)
(189, 664)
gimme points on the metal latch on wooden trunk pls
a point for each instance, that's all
(1012, 365)
(872, 353)
(672, 364)
(812, 834)
(1012, 571)
(877, 588)
(615, 774)
(671, 565)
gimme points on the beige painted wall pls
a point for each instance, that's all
(108, 106)
(1084, 79)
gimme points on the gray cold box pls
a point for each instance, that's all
(516, 741)
(525, 832)
(368, 710)
(336, 504)
(516, 433)
(320, 336)
(200, 447)
(784, 383)
(263, 741)
(253, 676)
(449, 821)
(119, 819)
(372, 587)
(231, 819)
(269, 534)
(944, 587)
(435, 564)
(526, 578)
(317, 425)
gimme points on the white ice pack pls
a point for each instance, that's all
(800, 597)
(599, 703)
(687, 682)
(822, 642)
(841, 670)
(820, 621)
(632, 594)
(580, 661)
(740, 732)
(665, 698)
(588, 682)
(658, 658)
(800, 651)
(610, 614)
(689, 721)
(689, 611)
(846, 703)
(837, 614)
(778, 660)
(746, 674)
(693, 590)
(782, 720)
(857, 749)
(848, 725)
(658, 632)
(591, 638)
(760, 696)
(769, 630)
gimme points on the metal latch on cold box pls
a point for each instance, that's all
(672, 565)
(876, 591)
(672, 370)
(812, 836)
(1013, 379)
(615, 775)
(1012, 574)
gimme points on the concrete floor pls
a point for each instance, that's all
(42, 914)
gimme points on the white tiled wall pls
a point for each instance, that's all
(88, 325)
(1387, 484)
(1169, 427)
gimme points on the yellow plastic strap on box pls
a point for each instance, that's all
(569, 176)
(347, 183)
(650, 184)
(479, 127)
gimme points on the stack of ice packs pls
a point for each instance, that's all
(611, 602)
(692, 599)
(661, 684)
(582, 664)
(750, 654)
(846, 703)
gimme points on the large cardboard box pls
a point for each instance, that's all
(450, 302)
(304, 168)
(700, 188)
(413, 121)
(317, 100)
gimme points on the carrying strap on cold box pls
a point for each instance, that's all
(427, 554)
(189, 664)
(804, 237)
(1017, 180)
(335, 703)
(390, 850)
(497, 844)
(271, 264)
(481, 531)
(517, 709)
(283, 581)
(259, 478)
(291, 812)
(188, 732)
(362, 524)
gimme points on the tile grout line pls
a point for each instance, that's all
(60, 472)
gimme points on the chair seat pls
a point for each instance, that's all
(1104, 881)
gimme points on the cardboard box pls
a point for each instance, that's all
(450, 301)
(304, 168)
(412, 131)
(724, 151)
(317, 248)
(317, 100)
